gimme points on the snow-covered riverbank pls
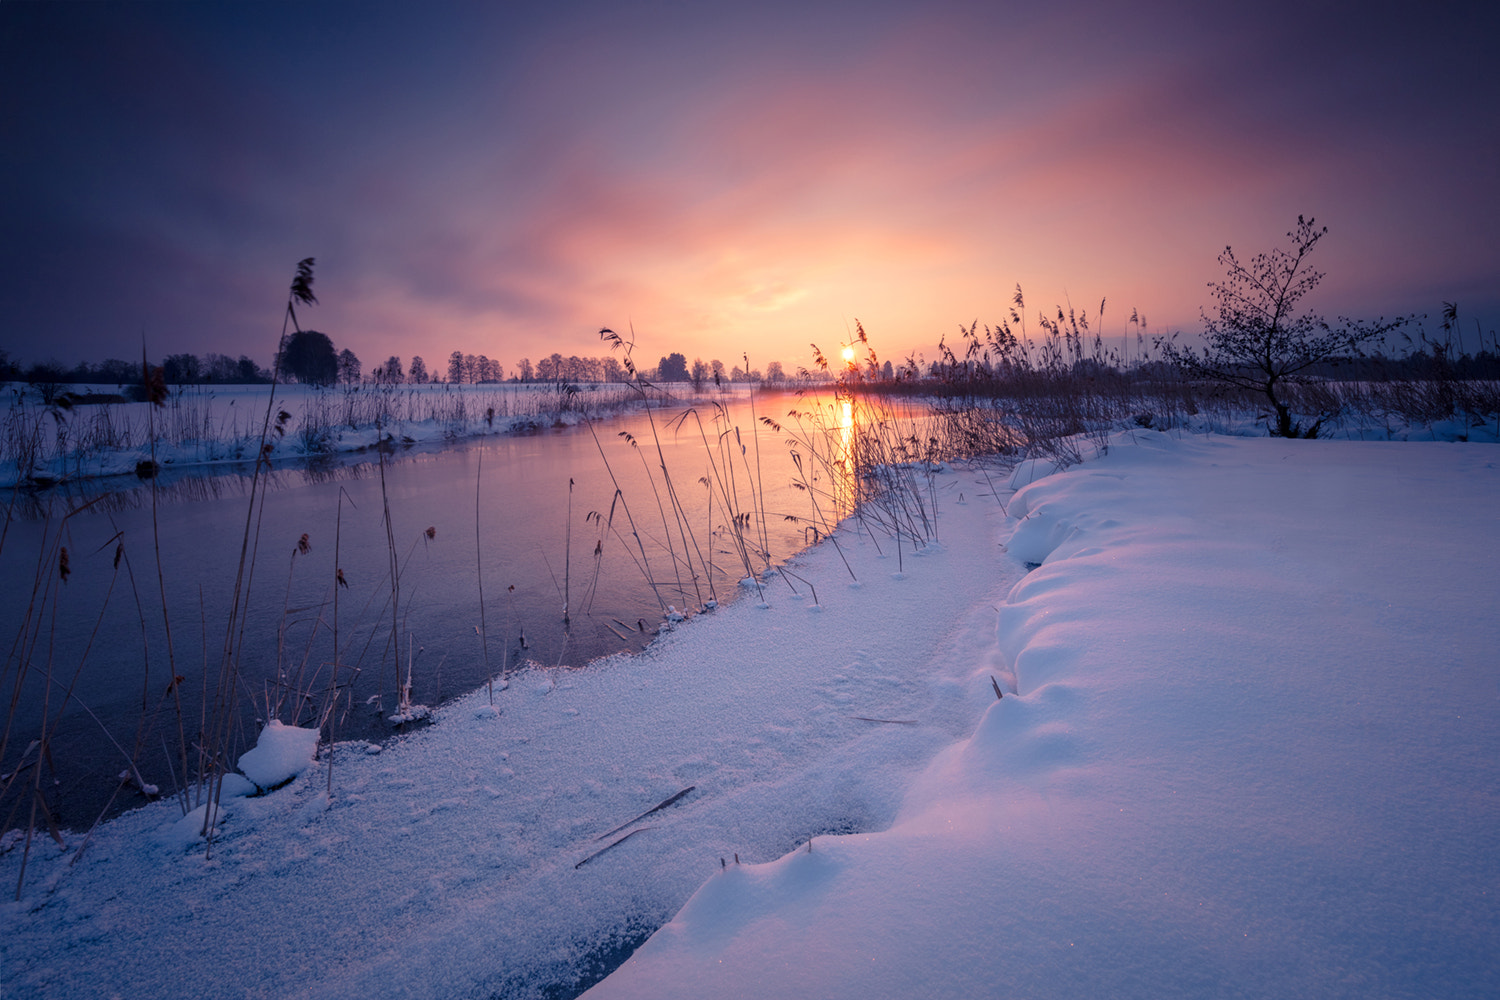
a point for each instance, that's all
(1248, 746)
(200, 427)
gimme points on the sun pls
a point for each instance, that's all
(849, 353)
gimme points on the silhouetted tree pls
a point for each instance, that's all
(119, 372)
(309, 357)
(218, 368)
(672, 368)
(389, 373)
(1258, 341)
(46, 377)
(181, 369)
(348, 367)
(418, 371)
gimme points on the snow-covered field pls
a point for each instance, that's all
(1249, 746)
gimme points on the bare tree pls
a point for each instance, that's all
(389, 373)
(1258, 341)
(348, 364)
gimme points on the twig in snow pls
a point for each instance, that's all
(617, 843)
(648, 812)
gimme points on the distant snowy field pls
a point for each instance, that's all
(1249, 746)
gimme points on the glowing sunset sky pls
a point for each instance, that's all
(507, 178)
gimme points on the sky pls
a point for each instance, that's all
(723, 179)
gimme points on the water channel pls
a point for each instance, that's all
(581, 545)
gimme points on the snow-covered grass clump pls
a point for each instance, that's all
(281, 753)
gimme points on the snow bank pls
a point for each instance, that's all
(204, 426)
(1249, 747)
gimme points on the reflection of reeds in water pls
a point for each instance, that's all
(839, 452)
(687, 544)
(31, 664)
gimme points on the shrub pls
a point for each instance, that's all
(1258, 341)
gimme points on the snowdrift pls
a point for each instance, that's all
(1249, 747)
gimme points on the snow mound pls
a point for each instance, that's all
(281, 753)
(1037, 537)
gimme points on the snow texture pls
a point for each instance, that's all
(1250, 747)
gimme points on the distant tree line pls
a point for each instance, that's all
(703, 372)
(473, 369)
(177, 369)
(310, 357)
